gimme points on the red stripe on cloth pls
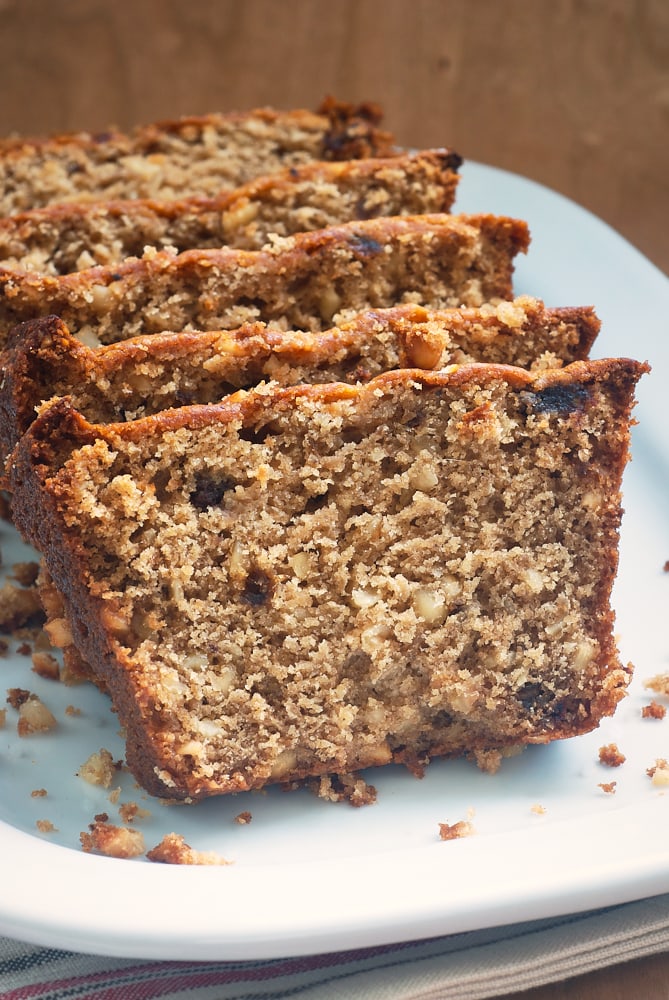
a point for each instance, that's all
(158, 979)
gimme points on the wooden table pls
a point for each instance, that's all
(572, 93)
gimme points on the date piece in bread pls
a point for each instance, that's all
(309, 580)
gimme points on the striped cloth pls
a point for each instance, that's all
(468, 966)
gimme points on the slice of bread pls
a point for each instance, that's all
(71, 236)
(302, 282)
(196, 155)
(315, 579)
(141, 376)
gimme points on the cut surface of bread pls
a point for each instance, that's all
(141, 376)
(199, 154)
(303, 282)
(315, 579)
(71, 236)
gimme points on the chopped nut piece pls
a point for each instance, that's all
(608, 786)
(173, 850)
(611, 756)
(34, 717)
(46, 666)
(38, 793)
(3, 717)
(46, 826)
(659, 772)
(99, 769)
(243, 818)
(112, 841)
(18, 606)
(455, 831)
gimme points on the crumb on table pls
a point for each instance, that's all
(659, 772)
(46, 826)
(98, 769)
(173, 850)
(112, 841)
(611, 756)
(34, 717)
(653, 711)
(455, 831)
(608, 786)
(659, 683)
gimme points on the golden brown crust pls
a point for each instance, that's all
(305, 281)
(201, 153)
(147, 374)
(71, 236)
(496, 597)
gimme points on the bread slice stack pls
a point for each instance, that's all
(334, 501)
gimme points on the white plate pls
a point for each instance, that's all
(312, 876)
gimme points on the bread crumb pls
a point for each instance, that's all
(99, 769)
(130, 811)
(114, 795)
(46, 665)
(46, 826)
(611, 756)
(34, 717)
(538, 809)
(25, 649)
(653, 711)
(3, 717)
(456, 831)
(608, 786)
(243, 818)
(173, 850)
(659, 772)
(25, 573)
(72, 710)
(18, 606)
(659, 683)
(16, 697)
(112, 841)
(38, 793)
(349, 788)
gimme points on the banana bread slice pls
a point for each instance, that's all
(301, 282)
(196, 155)
(71, 236)
(315, 579)
(144, 375)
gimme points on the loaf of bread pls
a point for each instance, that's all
(300, 282)
(71, 236)
(315, 579)
(195, 155)
(144, 375)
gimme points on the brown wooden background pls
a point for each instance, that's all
(573, 93)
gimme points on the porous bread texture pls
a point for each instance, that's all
(71, 236)
(197, 155)
(316, 579)
(305, 282)
(137, 377)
